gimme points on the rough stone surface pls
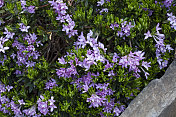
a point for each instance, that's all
(158, 99)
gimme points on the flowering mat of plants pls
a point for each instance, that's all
(86, 58)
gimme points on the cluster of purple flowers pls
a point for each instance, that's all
(30, 112)
(172, 20)
(44, 106)
(161, 48)
(133, 60)
(24, 52)
(5, 101)
(125, 28)
(86, 81)
(66, 72)
(60, 9)
(30, 9)
(94, 55)
(167, 3)
(100, 3)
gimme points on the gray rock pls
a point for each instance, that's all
(158, 99)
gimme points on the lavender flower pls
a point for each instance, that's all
(51, 104)
(1, 3)
(117, 111)
(147, 35)
(9, 34)
(21, 102)
(9, 88)
(30, 112)
(43, 107)
(50, 84)
(23, 28)
(172, 20)
(104, 10)
(31, 9)
(100, 3)
(95, 101)
(2, 49)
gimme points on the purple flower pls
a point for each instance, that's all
(104, 10)
(61, 72)
(30, 112)
(23, 3)
(23, 28)
(147, 35)
(169, 48)
(1, 3)
(30, 64)
(172, 20)
(9, 34)
(9, 88)
(124, 61)
(81, 43)
(167, 3)
(158, 28)
(51, 105)
(13, 55)
(108, 66)
(111, 73)
(95, 101)
(31, 9)
(108, 106)
(62, 60)
(21, 102)
(117, 111)
(3, 40)
(115, 56)
(50, 84)
(146, 65)
(100, 3)
(43, 107)
(2, 49)
(17, 72)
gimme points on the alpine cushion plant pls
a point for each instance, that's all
(81, 58)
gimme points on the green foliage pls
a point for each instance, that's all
(69, 99)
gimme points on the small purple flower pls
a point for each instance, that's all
(62, 60)
(1, 3)
(147, 35)
(9, 88)
(117, 111)
(31, 9)
(17, 72)
(30, 64)
(95, 101)
(146, 65)
(23, 3)
(50, 84)
(31, 111)
(115, 56)
(23, 28)
(100, 3)
(104, 10)
(9, 34)
(51, 105)
(2, 49)
(43, 107)
(21, 102)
